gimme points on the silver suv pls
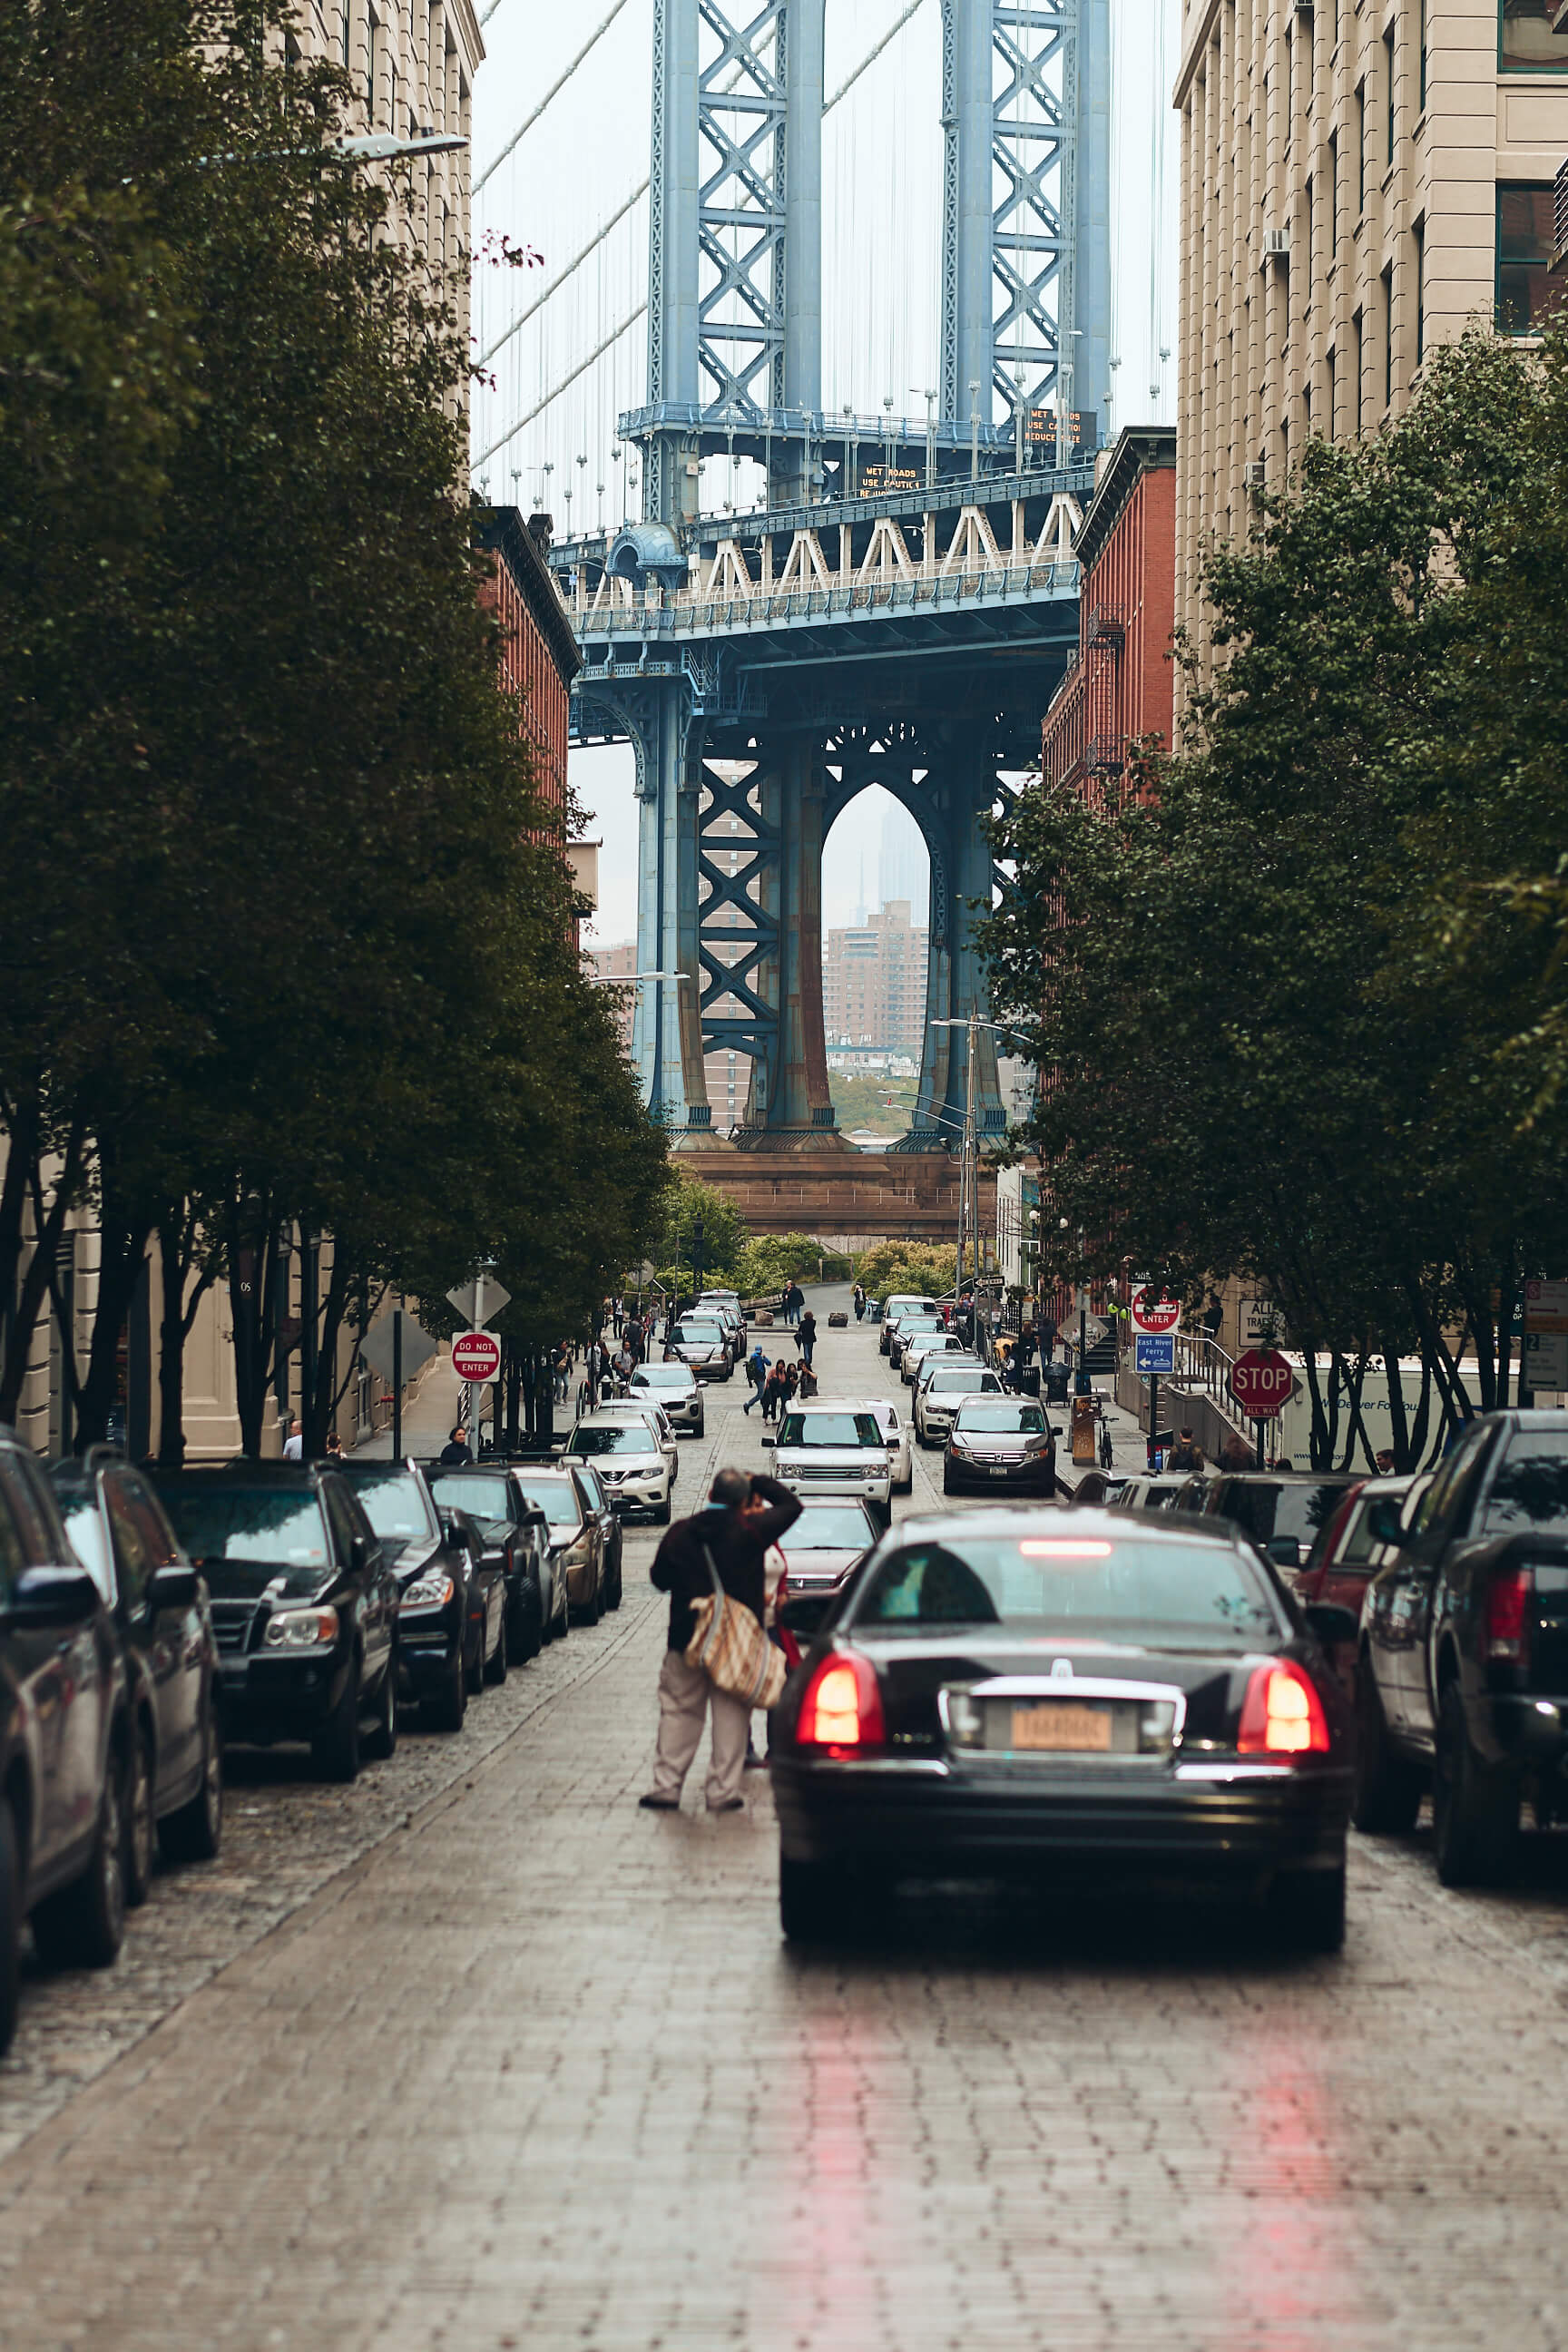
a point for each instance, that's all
(674, 1387)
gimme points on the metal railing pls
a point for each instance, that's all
(657, 612)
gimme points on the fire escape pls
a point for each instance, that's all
(1105, 748)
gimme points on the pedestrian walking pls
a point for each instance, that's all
(334, 1446)
(806, 1337)
(859, 1304)
(294, 1444)
(794, 1299)
(1237, 1455)
(757, 1373)
(1214, 1315)
(773, 1390)
(746, 1513)
(1045, 1329)
(808, 1383)
(633, 1339)
(617, 1314)
(1187, 1454)
(1385, 1462)
(1023, 1353)
(456, 1449)
(791, 1386)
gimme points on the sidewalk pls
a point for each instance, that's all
(428, 1419)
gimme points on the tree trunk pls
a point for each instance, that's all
(251, 1248)
(123, 1250)
(1398, 1426)
(34, 1286)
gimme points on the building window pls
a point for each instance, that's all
(1388, 85)
(1333, 196)
(1524, 231)
(372, 61)
(1418, 241)
(1333, 420)
(1530, 39)
(1360, 370)
(1359, 148)
(1423, 101)
(1386, 282)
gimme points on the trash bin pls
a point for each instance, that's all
(1055, 1376)
(1030, 1381)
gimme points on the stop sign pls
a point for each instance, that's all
(1260, 1381)
(1154, 1313)
(476, 1356)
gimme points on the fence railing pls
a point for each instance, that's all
(661, 613)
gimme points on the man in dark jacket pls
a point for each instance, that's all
(746, 1512)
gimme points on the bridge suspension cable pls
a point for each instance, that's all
(553, 91)
(600, 234)
(566, 381)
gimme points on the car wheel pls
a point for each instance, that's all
(139, 1836)
(335, 1748)
(195, 1833)
(495, 1666)
(613, 1591)
(813, 1905)
(1474, 1806)
(381, 1740)
(947, 1485)
(446, 1710)
(525, 1628)
(1307, 1910)
(84, 1924)
(1387, 1785)
(10, 1925)
(475, 1667)
(661, 1516)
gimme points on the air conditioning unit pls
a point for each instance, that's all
(1252, 473)
(1276, 244)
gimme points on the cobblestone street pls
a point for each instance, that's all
(476, 2054)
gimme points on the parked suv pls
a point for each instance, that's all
(304, 1603)
(1281, 1510)
(825, 1449)
(513, 1524)
(674, 1387)
(1463, 1668)
(121, 1533)
(451, 1587)
(65, 1741)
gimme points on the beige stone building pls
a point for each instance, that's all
(1361, 179)
(874, 983)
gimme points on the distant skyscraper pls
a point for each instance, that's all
(905, 865)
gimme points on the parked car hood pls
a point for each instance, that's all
(407, 1557)
(248, 1580)
(801, 1565)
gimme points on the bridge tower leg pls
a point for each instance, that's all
(666, 730)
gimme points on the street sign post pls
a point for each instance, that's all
(1260, 1381)
(479, 1299)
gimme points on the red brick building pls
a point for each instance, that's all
(540, 656)
(1118, 687)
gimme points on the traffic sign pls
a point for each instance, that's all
(1155, 1353)
(1154, 1310)
(1261, 1381)
(377, 1345)
(476, 1356)
(1545, 1364)
(1546, 1308)
(468, 1303)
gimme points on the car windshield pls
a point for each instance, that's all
(963, 1377)
(556, 1497)
(612, 1437)
(1175, 1593)
(394, 1500)
(1530, 1489)
(697, 1335)
(1265, 1510)
(902, 1304)
(250, 1523)
(830, 1429)
(833, 1527)
(911, 1326)
(460, 1490)
(661, 1376)
(1011, 1420)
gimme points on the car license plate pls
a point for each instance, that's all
(1058, 1724)
(1002, 1473)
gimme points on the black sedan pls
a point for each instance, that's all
(304, 1604)
(119, 1532)
(1015, 1693)
(514, 1528)
(451, 1618)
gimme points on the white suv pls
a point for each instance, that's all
(629, 1460)
(941, 1389)
(832, 1449)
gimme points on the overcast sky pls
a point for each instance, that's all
(882, 190)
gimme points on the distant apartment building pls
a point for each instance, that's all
(539, 654)
(874, 983)
(1117, 689)
(1359, 183)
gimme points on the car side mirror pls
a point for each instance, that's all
(768, 1437)
(1285, 1551)
(1382, 1520)
(362, 1550)
(1056, 1429)
(171, 1588)
(53, 1596)
(1329, 1623)
(804, 1615)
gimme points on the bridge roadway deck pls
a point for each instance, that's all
(475, 2053)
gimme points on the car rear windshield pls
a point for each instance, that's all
(697, 1335)
(961, 1377)
(250, 1523)
(833, 1527)
(1012, 1418)
(465, 1490)
(1265, 1510)
(830, 1429)
(393, 1502)
(1175, 1592)
(613, 1437)
(556, 1497)
(1530, 1489)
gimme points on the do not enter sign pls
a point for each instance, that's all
(476, 1356)
(1260, 1381)
(1154, 1312)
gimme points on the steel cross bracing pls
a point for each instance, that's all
(1032, 227)
(740, 118)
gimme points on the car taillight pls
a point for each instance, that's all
(1505, 1625)
(842, 1709)
(1282, 1714)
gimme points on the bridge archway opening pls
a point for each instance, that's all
(876, 928)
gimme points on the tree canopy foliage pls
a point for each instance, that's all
(289, 942)
(1297, 996)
